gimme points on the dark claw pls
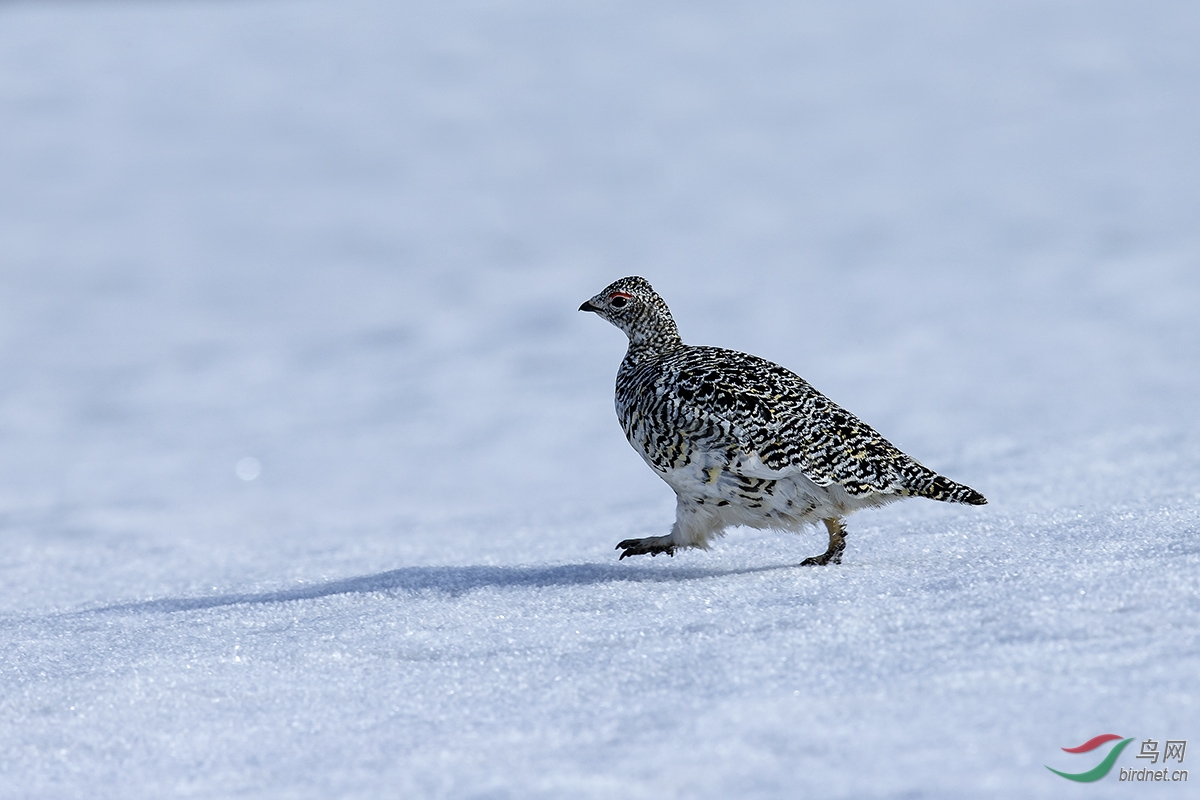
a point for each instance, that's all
(638, 547)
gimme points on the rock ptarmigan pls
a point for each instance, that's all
(743, 441)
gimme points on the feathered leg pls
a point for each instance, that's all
(694, 527)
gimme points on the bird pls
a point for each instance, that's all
(744, 441)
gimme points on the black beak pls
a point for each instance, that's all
(588, 307)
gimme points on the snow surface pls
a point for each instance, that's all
(347, 240)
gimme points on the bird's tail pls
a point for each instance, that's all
(948, 491)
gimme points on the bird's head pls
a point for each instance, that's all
(633, 306)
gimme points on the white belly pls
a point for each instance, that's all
(711, 499)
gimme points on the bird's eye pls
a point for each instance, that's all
(618, 300)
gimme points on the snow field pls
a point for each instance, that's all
(348, 240)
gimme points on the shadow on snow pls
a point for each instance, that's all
(451, 581)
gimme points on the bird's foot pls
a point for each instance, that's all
(837, 546)
(650, 546)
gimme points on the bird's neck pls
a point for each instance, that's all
(644, 347)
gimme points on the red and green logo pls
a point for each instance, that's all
(1100, 770)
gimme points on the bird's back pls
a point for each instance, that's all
(760, 420)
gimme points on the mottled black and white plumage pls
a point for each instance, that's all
(743, 441)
